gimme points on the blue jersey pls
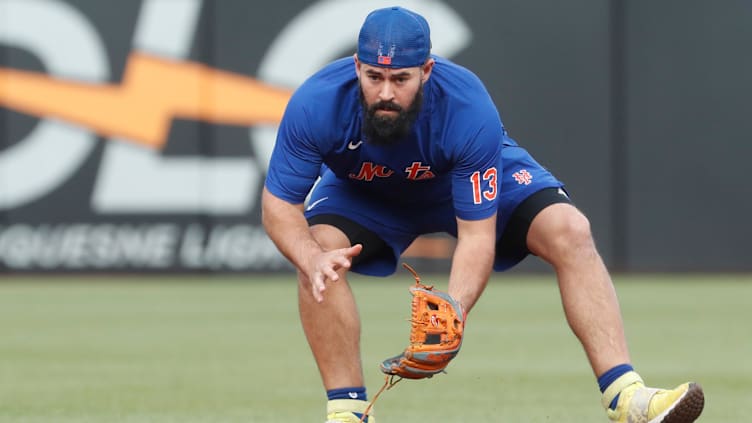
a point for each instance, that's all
(451, 154)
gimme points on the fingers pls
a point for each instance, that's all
(341, 259)
(317, 287)
(328, 265)
(354, 250)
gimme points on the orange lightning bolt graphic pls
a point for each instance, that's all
(153, 92)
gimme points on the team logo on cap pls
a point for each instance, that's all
(385, 59)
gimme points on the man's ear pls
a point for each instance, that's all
(357, 65)
(427, 68)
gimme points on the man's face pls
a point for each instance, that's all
(391, 100)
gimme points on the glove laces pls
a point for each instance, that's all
(389, 383)
(389, 380)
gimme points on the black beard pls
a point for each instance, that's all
(385, 130)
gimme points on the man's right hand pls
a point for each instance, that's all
(326, 265)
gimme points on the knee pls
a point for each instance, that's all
(329, 237)
(575, 232)
(561, 233)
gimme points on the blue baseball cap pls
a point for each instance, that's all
(394, 37)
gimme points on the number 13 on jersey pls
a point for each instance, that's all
(491, 192)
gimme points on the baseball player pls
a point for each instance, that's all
(408, 143)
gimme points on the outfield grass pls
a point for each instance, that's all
(232, 350)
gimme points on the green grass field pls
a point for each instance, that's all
(231, 350)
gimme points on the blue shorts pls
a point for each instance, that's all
(398, 226)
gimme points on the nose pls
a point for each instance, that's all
(386, 93)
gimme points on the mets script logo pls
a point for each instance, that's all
(417, 171)
(369, 170)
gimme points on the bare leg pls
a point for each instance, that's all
(560, 234)
(332, 327)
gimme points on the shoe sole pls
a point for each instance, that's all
(688, 408)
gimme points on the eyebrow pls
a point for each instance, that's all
(394, 75)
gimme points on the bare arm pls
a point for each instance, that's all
(287, 227)
(473, 260)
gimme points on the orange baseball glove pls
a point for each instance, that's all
(435, 335)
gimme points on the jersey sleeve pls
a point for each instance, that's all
(476, 177)
(296, 160)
